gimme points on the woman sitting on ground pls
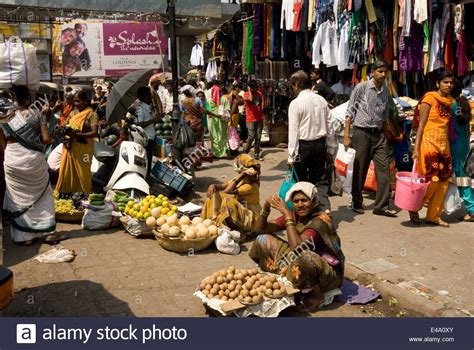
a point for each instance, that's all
(303, 245)
(236, 203)
(29, 200)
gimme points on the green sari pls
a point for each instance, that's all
(217, 131)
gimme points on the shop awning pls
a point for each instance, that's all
(201, 8)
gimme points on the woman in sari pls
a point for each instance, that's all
(217, 127)
(236, 203)
(76, 159)
(301, 245)
(459, 142)
(432, 151)
(28, 200)
(193, 114)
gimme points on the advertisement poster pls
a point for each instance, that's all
(89, 49)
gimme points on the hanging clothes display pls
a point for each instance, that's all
(287, 15)
(410, 56)
(211, 71)
(325, 41)
(197, 56)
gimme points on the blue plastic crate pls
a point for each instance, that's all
(171, 178)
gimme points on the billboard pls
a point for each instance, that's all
(92, 49)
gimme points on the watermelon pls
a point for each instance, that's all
(159, 132)
(111, 139)
(158, 126)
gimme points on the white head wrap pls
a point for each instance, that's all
(306, 187)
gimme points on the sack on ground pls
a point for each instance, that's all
(19, 64)
(344, 164)
(453, 201)
(101, 219)
(225, 244)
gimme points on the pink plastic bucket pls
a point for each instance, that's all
(410, 192)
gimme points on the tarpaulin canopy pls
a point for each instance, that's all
(201, 8)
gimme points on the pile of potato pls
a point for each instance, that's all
(186, 228)
(248, 286)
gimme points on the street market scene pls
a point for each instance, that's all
(284, 158)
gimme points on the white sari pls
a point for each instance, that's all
(28, 198)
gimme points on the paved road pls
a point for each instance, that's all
(115, 274)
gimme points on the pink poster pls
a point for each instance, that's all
(92, 49)
(131, 46)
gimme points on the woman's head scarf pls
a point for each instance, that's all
(245, 164)
(307, 188)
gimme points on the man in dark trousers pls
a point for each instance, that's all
(368, 113)
(310, 136)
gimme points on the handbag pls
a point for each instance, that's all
(290, 179)
(185, 137)
(452, 201)
(233, 139)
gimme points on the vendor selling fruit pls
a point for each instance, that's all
(303, 245)
(236, 203)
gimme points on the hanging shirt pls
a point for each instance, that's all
(407, 19)
(370, 11)
(211, 71)
(287, 15)
(420, 11)
(197, 58)
(325, 41)
(343, 49)
(324, 12)
(435, 63)
(311, 13)
(298, 11)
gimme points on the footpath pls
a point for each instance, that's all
(115, 274)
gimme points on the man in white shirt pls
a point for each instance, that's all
(146, 118)
(310, 136)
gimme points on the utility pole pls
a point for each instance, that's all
(174, 56)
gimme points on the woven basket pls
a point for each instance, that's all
(179, 245)
(76, 217)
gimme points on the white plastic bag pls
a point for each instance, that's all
(453, 201)
(101, 219)
(225, 244)
(344, 164)
(19, 64)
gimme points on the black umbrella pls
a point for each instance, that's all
(124, 93)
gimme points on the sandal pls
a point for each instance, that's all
(468, 218)
(55, 237)
(414, 217)
(440, 223)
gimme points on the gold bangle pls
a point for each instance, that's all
(264, 212)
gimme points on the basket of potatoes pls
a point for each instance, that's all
(183, 234)
(248, 286)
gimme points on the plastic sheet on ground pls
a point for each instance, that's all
(57, 255)
(355, 294)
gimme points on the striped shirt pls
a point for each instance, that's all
(368, 108)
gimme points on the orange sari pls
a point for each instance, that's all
(435, 154)
(75, 171)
